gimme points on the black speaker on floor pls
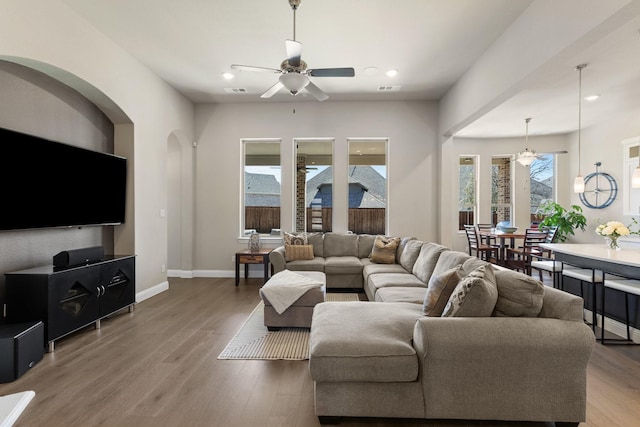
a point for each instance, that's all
(78, 256)
(21, 347)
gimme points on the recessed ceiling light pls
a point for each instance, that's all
(227, 76)
(392, 73)
(591, 98)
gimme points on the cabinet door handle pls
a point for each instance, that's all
(98, 291)
(103, 290)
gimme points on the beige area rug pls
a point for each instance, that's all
(254, 342)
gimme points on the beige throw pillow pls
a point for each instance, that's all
(474, 296)
(384, 250)
(298, 252)
(439, 290)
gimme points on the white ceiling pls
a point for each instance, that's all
(190, 43)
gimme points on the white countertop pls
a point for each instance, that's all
(626, 256)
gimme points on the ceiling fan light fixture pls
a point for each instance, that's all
(526, 157)
(294, 82)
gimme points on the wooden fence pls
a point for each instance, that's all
(361, 220)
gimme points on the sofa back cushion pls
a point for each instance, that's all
(450, 259)
(317, 241)
(519, 295)
(474, 296)
(365, 245)
(427, 260)
(337, 244)
(410, 254)
(401, 246)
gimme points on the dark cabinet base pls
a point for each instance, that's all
(69, 299)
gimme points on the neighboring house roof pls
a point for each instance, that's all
(367, 188)
(261, 190)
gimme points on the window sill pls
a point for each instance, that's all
(270, 241)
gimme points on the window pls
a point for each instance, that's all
(314, 185)
(467, 182)
(501, 206)
(261, 184)
(367, 186)
(541, 182)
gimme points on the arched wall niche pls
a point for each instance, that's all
(123, 137)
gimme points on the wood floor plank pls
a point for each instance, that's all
(158, 366)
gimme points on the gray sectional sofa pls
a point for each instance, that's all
(514, 351)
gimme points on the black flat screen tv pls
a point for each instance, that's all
(47, 184)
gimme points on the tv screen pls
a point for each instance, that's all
(50, 184)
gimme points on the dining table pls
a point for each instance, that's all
(504, 240)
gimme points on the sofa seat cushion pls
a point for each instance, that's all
(378, 281)
(401, 294)
(315, 264)
(373, 268)
(342, 265)
(363, 342)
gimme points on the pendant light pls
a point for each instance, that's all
(526, 157)
(578, 183)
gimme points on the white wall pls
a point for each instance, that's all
(413, 164)
(46, 35)
(602, 143)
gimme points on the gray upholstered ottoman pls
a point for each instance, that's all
(298, 314)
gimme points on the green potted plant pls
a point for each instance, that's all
(567, 220)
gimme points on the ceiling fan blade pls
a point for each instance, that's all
(294, 52)
(332, 72)
(252, 68)
(316, 92)
(272, 90)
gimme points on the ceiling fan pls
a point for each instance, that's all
(294, 74)
(526, 157)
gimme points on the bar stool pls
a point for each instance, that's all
(626, 286)
(550, 265)
(584, 275)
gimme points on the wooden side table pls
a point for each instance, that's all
(247, 257)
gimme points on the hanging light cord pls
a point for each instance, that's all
(580, 67)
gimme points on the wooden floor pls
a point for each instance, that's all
(158, 367)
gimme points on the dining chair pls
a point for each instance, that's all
(520, 258)
(487, 227)
(477, 248)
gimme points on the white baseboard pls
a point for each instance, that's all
(184, 274)
(614, 326)
(152, 291)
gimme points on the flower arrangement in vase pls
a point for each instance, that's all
(612, 230)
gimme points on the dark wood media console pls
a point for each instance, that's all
(69, 299)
